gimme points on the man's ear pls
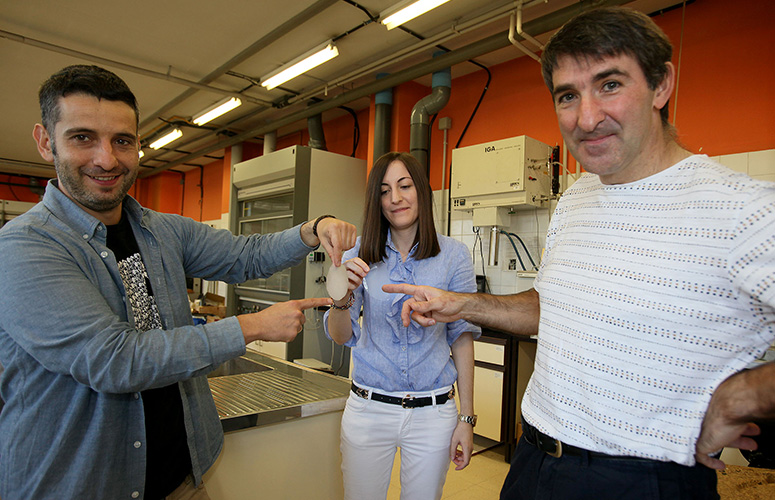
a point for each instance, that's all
(44, 142)
(665, 88)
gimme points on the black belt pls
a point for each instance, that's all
(407, 401)
(557, 448)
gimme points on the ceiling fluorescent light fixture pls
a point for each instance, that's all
(160, 143)
(218, 109)
(302, 64)
(406, 11)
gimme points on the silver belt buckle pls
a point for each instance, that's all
(405, 399)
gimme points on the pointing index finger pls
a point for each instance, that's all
(404, 288)
(314, 302)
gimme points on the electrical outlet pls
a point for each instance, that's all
(512, 264)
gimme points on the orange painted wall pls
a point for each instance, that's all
(160, 192)
(18, 193)
(203, 191)
(725, 95)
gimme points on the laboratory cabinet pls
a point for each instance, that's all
(503, 364)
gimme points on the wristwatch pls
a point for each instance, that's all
(467, 419)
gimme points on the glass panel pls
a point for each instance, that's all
(268, 215)
(268, 206)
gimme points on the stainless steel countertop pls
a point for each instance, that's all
(258, 389)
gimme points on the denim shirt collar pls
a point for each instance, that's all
(77, 218)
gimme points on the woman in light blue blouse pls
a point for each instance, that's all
(403, 377)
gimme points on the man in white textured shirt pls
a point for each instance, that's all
(656, 288)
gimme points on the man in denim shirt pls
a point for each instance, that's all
(104, 383)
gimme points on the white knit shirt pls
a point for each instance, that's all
(652, 293)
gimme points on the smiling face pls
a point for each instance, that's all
(94, 148)
(609, 117)
(399, 198)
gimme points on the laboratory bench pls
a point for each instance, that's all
(281, 425)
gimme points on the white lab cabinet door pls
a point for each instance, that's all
(488, 402)
(488, 388)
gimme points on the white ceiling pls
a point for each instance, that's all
(195, 43)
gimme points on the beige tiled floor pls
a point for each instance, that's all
(481, 480)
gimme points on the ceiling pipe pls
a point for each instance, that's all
(543, 24)
(516, 43)
(126, 67)
(270, 142)
(317, 136)
(519, 24)
(428, 105)
(18, 167)
(383, 109)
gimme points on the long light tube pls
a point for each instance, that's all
(159, 143)
(217, 110)
(405, 11)
(311, 59)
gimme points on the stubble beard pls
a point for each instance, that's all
(73, 183)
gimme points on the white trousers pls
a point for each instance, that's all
(371, 433)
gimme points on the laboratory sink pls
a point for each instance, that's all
(238, 366)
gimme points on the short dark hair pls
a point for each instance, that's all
(375, 225)
(608, 32)
(82, 79)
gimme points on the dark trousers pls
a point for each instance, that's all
(534, 475)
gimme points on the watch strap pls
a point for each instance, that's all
(317, 221)
(468, 419)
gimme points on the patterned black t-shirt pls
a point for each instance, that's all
(167, 457)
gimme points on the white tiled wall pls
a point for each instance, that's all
(758, 164)
(531, 226)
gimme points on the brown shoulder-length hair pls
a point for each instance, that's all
(375, 225)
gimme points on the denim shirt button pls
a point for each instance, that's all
(137, 444)
(135, 494)
(136, 395)
(86, 236)
(104, 255)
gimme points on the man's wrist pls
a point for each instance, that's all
(317, 221)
